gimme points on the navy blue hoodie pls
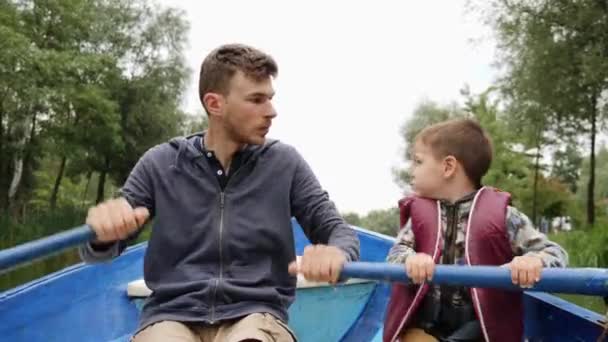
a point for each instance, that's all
(216, 254)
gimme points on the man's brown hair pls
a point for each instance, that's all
(464, 139)
(221, 64)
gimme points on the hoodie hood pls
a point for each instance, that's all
(186, 148)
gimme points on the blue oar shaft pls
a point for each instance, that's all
(589, 281)
(32, 250)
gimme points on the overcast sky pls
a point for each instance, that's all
(350, 74)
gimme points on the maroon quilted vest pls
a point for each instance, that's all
(499, 312)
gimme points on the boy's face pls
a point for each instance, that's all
(248, 109)
(428, 172)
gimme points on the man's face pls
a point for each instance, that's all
(248, 109)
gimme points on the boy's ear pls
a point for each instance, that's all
(449, 166)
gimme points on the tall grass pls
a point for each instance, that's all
(34, 226)
(587, 247)
(38, 225)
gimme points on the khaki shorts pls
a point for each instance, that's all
(258, 326)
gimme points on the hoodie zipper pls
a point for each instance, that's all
(221, 275)
(221, 226)
(221, 232)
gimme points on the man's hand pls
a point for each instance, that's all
(525, 270)
(420, 267)
(320, 263)
(115, 219)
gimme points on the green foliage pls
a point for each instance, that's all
(601, 186)
(86, 87)
(554, 54)
(586, 247)
(552, 197)
(107, 77)
(37, 224)
(382, 221)
(510, 169)
(567, 163)
(425, 114)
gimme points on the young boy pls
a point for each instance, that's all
(452, 219)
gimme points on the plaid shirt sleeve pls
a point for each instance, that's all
(527, 240)
(404, 245)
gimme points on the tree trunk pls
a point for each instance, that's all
(53, 201)
(21, 159)
(86, 187)
(535, 190)
(102, 181)
(591, 185)
(2, 156)
(16, 179)
(100, 187)
(3, 175)
(17, 168)
(536, 174)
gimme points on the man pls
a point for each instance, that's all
(222, 201)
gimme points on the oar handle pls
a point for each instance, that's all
(588, 281)
(32, 250)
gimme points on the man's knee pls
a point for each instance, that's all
(259, 327)
(169, 331)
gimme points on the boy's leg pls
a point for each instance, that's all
(469, 332)
(256, 327)
(416, 335)
(169, 331)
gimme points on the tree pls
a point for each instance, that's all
(352, 219)
(510, 168)
(18, 79)
(514, 168)
(567, 163)
(86, 86)
(602, 181)
(555, 57)
(193, 123)
(384, 221)
(425, 114)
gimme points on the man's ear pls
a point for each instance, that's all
(450, 164)
(214, 103)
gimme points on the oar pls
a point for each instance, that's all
(32, 250)
(588, 281)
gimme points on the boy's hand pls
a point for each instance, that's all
(525, 270)
(420, 267)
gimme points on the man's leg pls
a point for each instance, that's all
(258, 327)
(169, 331)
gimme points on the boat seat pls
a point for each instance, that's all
(138, 288)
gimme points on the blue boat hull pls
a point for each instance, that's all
(89, 303)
